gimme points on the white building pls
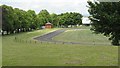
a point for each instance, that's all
(85, 20)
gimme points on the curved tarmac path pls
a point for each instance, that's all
(48, 37)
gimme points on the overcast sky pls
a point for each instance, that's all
(53, 6)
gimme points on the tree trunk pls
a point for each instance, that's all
(7, 32)
(2, 32)
(17, 30)
(115, 41)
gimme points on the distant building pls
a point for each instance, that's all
(48, 25)
(85, 20)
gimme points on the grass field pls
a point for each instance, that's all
(83, 36)
(0, 51)
(49, 54)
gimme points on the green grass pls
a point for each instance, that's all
(49, 54)
(0, 51)
(84, 27)
(83, 36)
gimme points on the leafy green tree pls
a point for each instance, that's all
(70, 19)
(17, 22)
(44, 17)
(77, 18)
(61, 20)
(105, 18)
(7, 18)
(55, 19)
(24, 21)
(32, 18)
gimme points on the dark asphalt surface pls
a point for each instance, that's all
(48, 37)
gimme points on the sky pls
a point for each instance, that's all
(53, 6)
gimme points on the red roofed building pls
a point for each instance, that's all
(48, 25)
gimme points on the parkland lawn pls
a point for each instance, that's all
(30, 53)
(0, 51)
(83, 36)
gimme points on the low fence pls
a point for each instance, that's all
(19, 40)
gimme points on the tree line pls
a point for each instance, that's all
(15, 20)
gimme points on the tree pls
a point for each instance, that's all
(7, 18)
(70, 19)
(32, 18)
(55, 19)
(77, 18)
(24, 21)
(44, 17)
(17, 22)
(105, 18)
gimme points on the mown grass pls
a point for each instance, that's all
(49, 54)
(83, 36)
(0, 51)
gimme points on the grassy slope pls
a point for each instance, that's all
(36, 54)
